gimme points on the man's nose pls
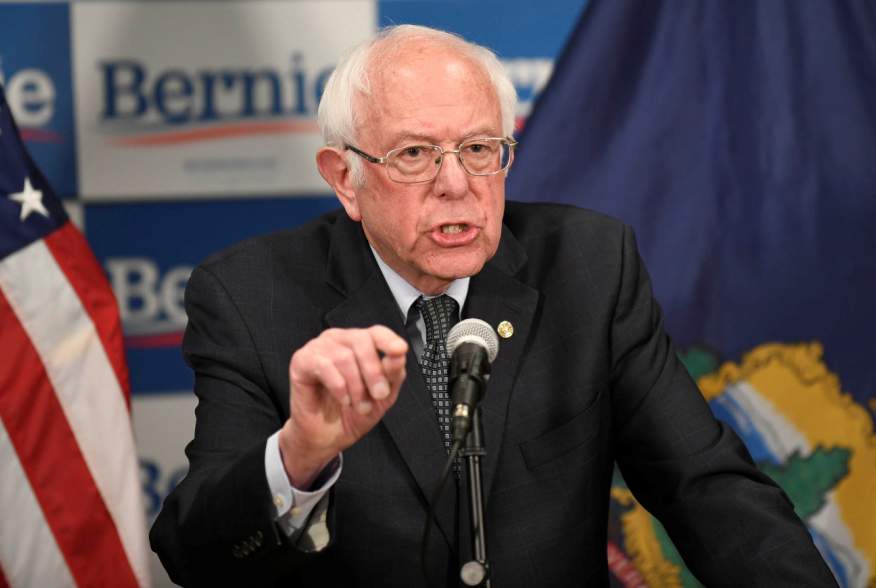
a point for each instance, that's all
(452, 179)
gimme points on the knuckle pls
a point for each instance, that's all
(379, 331)
(371, 371)
(337, 387)
(343, 355)
(361, 339)
(330, 333)
(322, 362)
(354, 383)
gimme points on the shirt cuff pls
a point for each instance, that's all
(292, 505)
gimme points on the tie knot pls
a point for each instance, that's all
(439, 314)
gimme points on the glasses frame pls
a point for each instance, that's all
(384, 161)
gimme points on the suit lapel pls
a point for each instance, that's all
(495, 296)
(411, 421)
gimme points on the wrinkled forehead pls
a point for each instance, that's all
(423, 72)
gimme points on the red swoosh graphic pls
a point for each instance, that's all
(153, 341)
(34, 135)
(214, 133)
(519, 123)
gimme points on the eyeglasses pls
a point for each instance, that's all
(421, 163)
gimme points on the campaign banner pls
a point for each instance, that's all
(205, 98)
(35, 73)
(163, 425)
(148, 250)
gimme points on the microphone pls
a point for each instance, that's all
(472, 346)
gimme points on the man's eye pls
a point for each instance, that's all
(479, 149)
(412, 152)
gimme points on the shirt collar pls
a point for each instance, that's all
(405, 294)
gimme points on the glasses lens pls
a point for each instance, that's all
(415, 163)
(485, 156)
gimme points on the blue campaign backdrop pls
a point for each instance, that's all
(149, 249)
(511, 29)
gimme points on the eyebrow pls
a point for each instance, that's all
(413, 137)
(480, 132)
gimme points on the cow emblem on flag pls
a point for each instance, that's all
(813, 439)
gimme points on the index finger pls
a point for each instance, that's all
(387, 341)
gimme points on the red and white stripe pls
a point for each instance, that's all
(70, 496)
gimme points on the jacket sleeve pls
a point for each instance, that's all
(731, 523)
(217, 527)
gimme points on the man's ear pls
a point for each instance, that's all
(334, 169)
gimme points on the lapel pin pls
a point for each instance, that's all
(505, 329)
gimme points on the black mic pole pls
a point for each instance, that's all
(476, 572)
(472, 345)
(469, 374)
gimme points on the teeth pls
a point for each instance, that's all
(452, 228)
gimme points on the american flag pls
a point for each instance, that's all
(70, 502)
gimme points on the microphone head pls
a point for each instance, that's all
(473, 331)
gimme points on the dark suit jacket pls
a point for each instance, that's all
(588, 378)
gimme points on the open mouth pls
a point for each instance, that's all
(453, 229)
(455, 234)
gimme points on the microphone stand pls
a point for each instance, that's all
(477, 571)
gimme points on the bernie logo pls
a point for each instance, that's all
(150, 301)
(814, 440)
(31, 95)
(154, 108)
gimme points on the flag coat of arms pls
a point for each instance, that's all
(70, 498)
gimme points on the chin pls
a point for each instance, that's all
(449, 265)
(455, 269)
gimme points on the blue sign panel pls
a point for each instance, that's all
(517, 29)
(148, 251)
(35, 70)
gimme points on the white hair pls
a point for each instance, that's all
(338, 116)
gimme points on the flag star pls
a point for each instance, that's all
(31, 200)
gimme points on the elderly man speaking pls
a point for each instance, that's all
(321, 372)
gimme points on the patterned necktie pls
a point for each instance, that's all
(439, 314)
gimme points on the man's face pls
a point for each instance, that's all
(434, 232)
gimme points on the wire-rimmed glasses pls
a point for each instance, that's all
(411, 164)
